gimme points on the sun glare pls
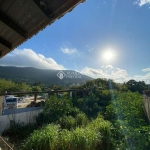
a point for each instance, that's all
(108, 54)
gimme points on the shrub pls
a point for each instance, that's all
(42, 119)
(84, 139)
(44, 139)
(93, 136)
(81, 119)
(67, 122)
(127, 115)
(18, 132)
(105, 129)
(74, 111)
(57, 107)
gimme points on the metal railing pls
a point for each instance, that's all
(49, 92)
(84, 91)
(4, 145)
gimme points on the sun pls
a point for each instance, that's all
(108, 54)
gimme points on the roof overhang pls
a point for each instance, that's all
(21, 19)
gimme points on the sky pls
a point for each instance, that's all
(99, 38)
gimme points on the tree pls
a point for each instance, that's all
(36, 88)
(136, 86)
(56, 107)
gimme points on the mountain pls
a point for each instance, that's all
(31, 75)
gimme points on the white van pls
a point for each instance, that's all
(11, 102)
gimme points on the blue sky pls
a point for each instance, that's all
(100, 38)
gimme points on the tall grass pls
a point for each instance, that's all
(78, 139)
(44, 139)
(90, 137)
(84, 139)
(67, 122)
(81, 119)
(105, 129)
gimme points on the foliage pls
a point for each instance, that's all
(36, 88)
(105, 129)
(9, 86)
(44, 139)
(18, 132)
(81, 120)
(67, 122)
(89, 104)
(70, 122)
(100, 83)
(57, 107)
(138, 86)
(89, 137)
(127, 114)
(94, 103)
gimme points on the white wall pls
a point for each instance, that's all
(26, 117)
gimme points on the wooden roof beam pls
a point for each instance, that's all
(5, 43)
(62, 10)
(7, 21)
(0, 54)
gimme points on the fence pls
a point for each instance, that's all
(146, 104)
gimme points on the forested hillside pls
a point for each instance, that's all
(31, 75)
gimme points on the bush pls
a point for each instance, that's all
(18, 132)
(81, 119)
(78, 139)
(67, 122)
(57, 107)
(96, 135)
(44, 139)
(127, 115)
(74, 111)
(88, 105)
(42, 119)
(105, 129)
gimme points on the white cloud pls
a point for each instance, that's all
(109, 66)
(146, 70)
(95, 73)
(142, 2)
(29, 58)
(68, 51)
(117, 74)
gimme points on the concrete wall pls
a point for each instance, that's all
(25, 117)
(146, 103)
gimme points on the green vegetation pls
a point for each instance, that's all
(127, 115)
(51, 137)
(109, 117)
